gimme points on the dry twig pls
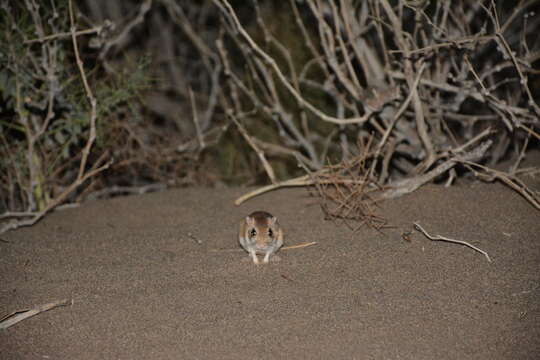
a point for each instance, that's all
(18, 316)
(442, 238)
(512, 181)
(289, 247)
(257, 149)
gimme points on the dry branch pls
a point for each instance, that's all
(228, 11)
(442, 238)
(402, 187)
(490, 175)
(18, 316)
(257, 149)
(289, 247)
(94, 30)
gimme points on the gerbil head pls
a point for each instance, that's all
(261, 227)
(261, 218)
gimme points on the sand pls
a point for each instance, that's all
(146, 282)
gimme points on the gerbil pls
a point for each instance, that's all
(260, 233)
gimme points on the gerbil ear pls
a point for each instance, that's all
(250, 221)
(272, 220)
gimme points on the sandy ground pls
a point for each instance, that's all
(146, 283)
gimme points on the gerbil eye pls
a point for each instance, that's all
(252, 233)
(270, 232)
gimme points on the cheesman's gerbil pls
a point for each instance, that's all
(260, 233)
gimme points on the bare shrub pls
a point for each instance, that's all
(171, 142)
(50, 113)
(442, 89)
(437, 84)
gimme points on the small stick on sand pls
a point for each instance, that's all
(442, 238)
(297, 246)
(20, 315)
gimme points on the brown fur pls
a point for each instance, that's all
(264, 241)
